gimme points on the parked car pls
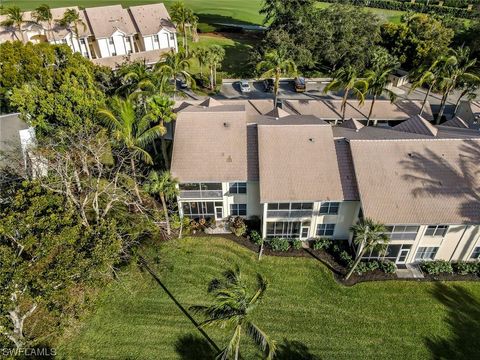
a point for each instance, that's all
(300, 84)
(268, 85)
(244, 86)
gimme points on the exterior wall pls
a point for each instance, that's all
(75, 44)
(164, 41)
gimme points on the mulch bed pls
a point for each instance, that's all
(338, 270)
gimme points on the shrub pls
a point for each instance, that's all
(322, 244)
(346, 258)
(296, 244)
(388, 266)
(465, 268)
(336, 248)
(256, 237)
(437, 267)
(237, 225)
(361, 268)
(278, 244)
(372, 265)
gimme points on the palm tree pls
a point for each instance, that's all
(276, 64)
(183, 18)
(135, 77)
(377, 84)
(202, 54)
(368, 235)
(175, 64)
(44, 14)
(71, 20)
(346, 79)
(215, 56)
(14, 18)
(233, 305)
(469, 89)
(165, 186)
(455, 70)
(130, 131)
(428, 76)
(160, 112)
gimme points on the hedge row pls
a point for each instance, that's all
(407, 6)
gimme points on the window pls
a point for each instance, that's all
(426, 253)
(402, 232)
(172, 37)
(238, 188)
(390, 253)
(155, 38)
(200, 209)
(110, 41)
(476, 253)
(330, 208)
(292, 206)
(82, 41)
(283, 229)
(114, 53)
(238, 209)
(325, 229)
(436, 230)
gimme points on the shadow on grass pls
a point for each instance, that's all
(463, 321)
(216, 22)
(294, 350)
(191, 347)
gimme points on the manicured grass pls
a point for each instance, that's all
(304, 307)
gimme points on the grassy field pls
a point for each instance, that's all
(210, 11)
(305, 310)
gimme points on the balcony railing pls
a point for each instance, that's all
(201, 194)
(289, 213)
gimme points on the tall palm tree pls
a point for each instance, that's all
(428, 76)
(183, 18)
(14, 19)
(175, 64)
(233, 306)
(135, 77)
(71, 20)
(202, 54)
(160, 112)
(44, 14)
(346, 79)
(276, 64)
(469, 89)
(377, 84)
(368, 235)
(165, 186)
(215, 56)
(129, 130)
(456, 69)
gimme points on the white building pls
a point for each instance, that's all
(109, 35)
(304, 178)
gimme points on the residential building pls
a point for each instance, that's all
(109, 35)
(304, 178)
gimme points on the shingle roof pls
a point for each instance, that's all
(210, 145)
(456, 122)
(417, 125)
(382, 109)
(297, 163)
(150, 19)
(352, 124)
(147, 57)
(347, 173)
(105, 20)
(277, 113)
(252, 152)
(418, 181)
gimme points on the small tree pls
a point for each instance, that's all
(165, 186)
(367, 235)
(215, 55)
(174, 65)
(232, 306)
(276, 64)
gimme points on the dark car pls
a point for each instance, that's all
(300, 84)
(268, 85)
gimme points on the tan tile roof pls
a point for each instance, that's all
(210, 145)
(210, 102)
(297, 163)
(150, 19)
(149, 57)
(419, 181)
(277, 113)
(252, 152)
(417, 125)
(382, 109)
(105, 20)
(352, 124)
(347, 173)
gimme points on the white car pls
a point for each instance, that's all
(244, 87)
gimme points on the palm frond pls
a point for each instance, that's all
(260, 338)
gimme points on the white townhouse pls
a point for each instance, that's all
(108, 35)
(304, 178)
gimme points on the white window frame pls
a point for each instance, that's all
(475, 255)
(438, 230)
(430, 250)
(326, 227)
(236, 211)
(237, 187)
(286, 230)
(402, 235)
(330, 205)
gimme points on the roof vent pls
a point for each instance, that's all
(226, 124)
(229, 159)
(311, 140)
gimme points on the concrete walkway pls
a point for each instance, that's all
(410, 272)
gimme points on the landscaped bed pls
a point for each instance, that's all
(305, 310)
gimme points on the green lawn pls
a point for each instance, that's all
(210, 11)
(305, 310)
